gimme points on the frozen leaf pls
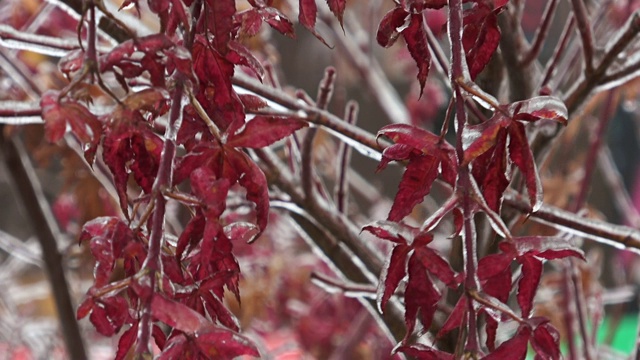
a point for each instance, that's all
(263, 131)
(390, 25)
(540, 107)
(520, 154)
(278, 21)
(221, 344)
(391, 231)
(528, 284)
(252, 103)
(176, 348)
(392, 273)
(423, 352)
(416, 39)
(240, 55)
(177, 315)
(514, 348)
(547, 247)
(437, 265)
(60, 113)
(253, 180)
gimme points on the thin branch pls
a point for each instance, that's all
(559, 51)
(584, 28)
(541, 34)
(621, 197)
(341, 191)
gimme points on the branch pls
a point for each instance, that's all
(46, 229)
(541, 34)
(584, 27)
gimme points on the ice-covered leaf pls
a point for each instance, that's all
(393, 272)
(263, 131)
(219, 15)
(520, 154)
(392, 231)
(437, 265)
(177, 315)
(127, 339)
(308, 11)
(109, 314)
(391, 25)
(514, 348)
(546, 341)
(547, 247)
(540, 107)
(423, 352)
(217, 343)
(337, 8)
(481, 36)
(58, 114)
(455, 317)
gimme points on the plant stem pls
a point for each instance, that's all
(584, 27)
(541, 33)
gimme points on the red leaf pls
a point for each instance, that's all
(254, 181)
(547, 247)
(482, 137)
(480, 38)
(278, 21)
(176, 348)
(418, 138)
(220, 22)
(252, 102)
(85, 307)
(494, 272)
(395, 152)
(109, 314)
(240, 55)
(250, 22)
(437, 266)
(520, 154)
(416, 183)
(392, 273)
(545, 342)
(423, 352)
(337, 8)
(528, 284)
(416, 39)
(263, 131)
(490, 171)
(177, 315)
(455, 317)
(127, 339)
(307, 18)
(388, 29)
(391, 231)
(420, 294)
(217, 343)
(57, 114)
(540, 107)
(514, 348)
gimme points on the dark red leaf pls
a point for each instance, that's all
(490, 171)
(480, 38)
(240, 55)
(388, 29)
(437, 266)
(127, 339)
(421, 295)
(391, 231)
(422, 352)
(416, 183)
(418, 138)
(455, 317)
(540, 107)
(395, 152)
(528, 284)
(514, 348)
(220, 22)
(263, 131)
(85, 307)
(546, 342)
(252, 102)
(250, 22)
(308, 11)
(254, 181)
(520, 154)
(392, 273)
(278, 21)
(482, 137)
(416, 39)
(176, 348)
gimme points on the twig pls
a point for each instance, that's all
(621, 197)
(559, 50)
(341, 192)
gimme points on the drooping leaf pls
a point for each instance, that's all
(221, 344)
(546, 341)
(109, 314)
(520, 154)
(127, 339)
(220, 22)
(307, 17)
(392, 273)
(547, 247)
(455, 317)
(528, 284)
(416, 39)
(177, 315)
(480, 37)
(437, 265)
(416, 182)
(337, 8)
(420, 295)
